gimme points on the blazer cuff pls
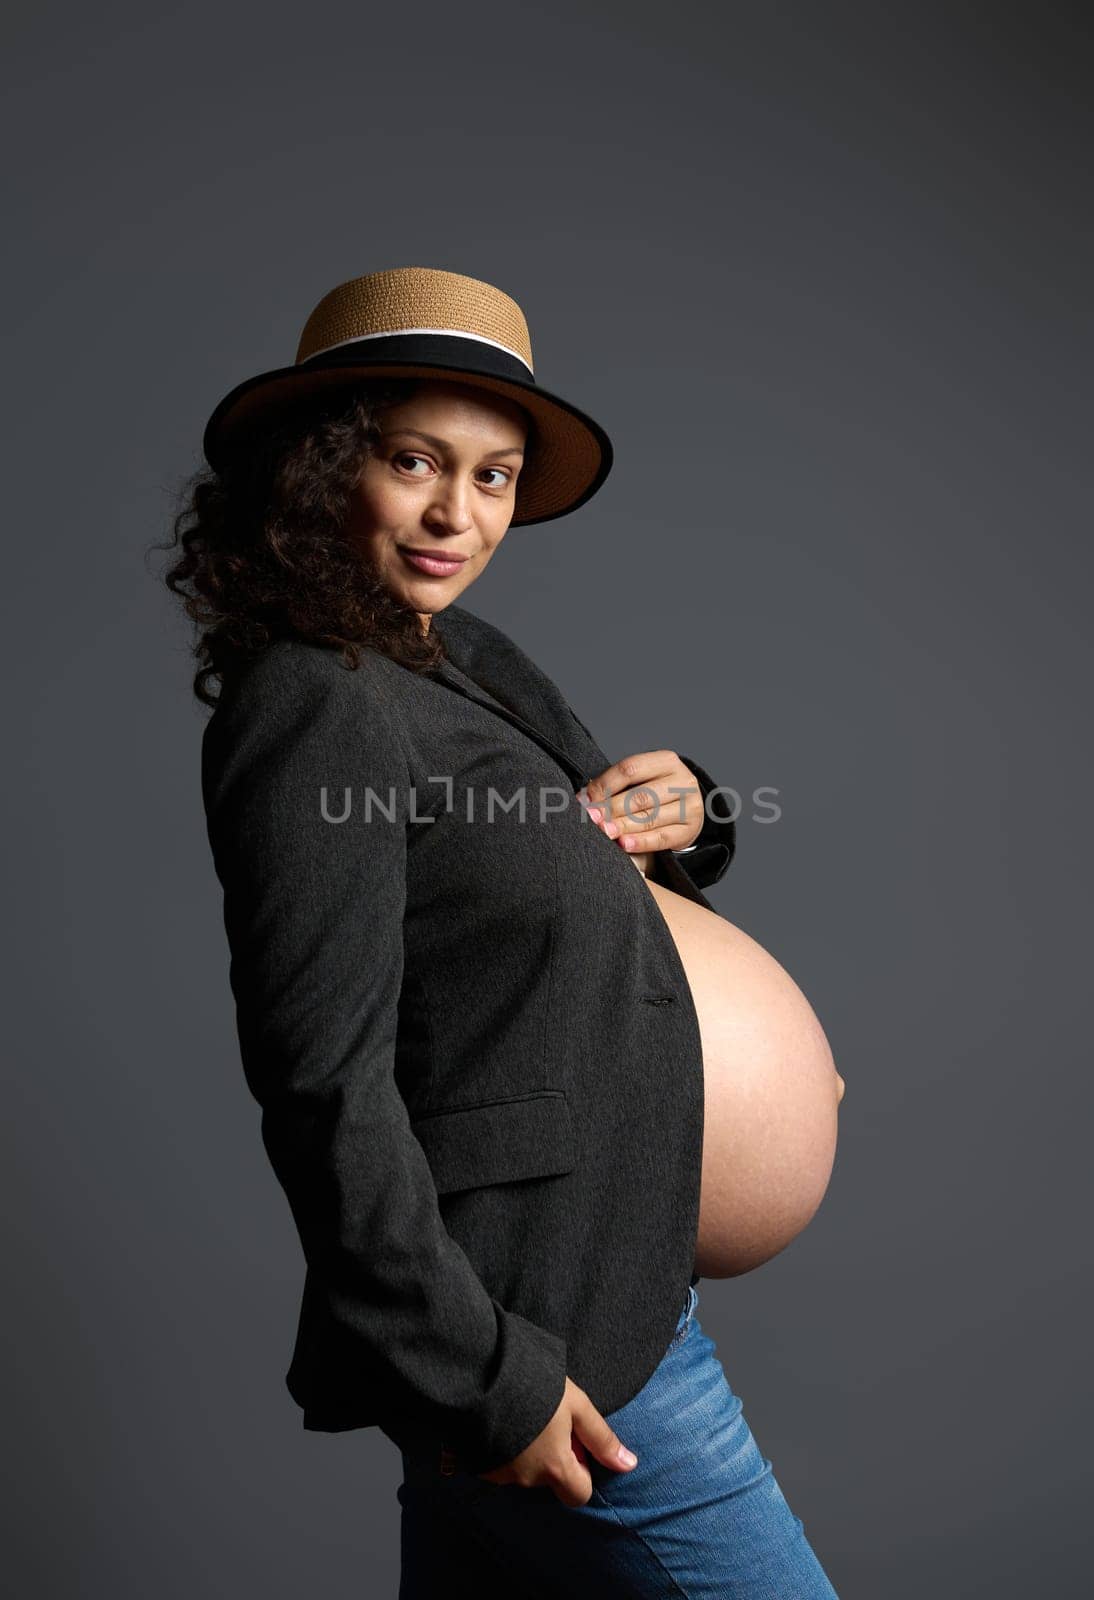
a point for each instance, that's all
(522, 1400)
(706, 860)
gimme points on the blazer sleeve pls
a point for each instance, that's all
(313, 911)
(706, 859)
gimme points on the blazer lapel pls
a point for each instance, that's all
(507, 682)
(512, 687)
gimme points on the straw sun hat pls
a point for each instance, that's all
(423, 322)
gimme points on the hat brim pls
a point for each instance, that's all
(573, 453)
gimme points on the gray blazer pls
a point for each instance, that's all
(470, 1034)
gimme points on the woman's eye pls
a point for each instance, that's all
(405, 456)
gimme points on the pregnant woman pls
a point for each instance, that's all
(522, 1085)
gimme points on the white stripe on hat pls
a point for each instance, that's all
(453, 333)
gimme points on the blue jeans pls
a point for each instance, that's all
(701, 1515)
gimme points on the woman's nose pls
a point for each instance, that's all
(452, 509)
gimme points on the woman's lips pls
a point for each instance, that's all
(436, 566)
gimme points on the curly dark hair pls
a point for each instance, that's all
(263, 554)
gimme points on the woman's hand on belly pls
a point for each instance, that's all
(634, 797)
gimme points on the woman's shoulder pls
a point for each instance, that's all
(298, 694)
(289, 669)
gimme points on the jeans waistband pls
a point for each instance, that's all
(689, 1308)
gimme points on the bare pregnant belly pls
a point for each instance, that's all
(771, 1092)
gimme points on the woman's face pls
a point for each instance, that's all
(440, 483)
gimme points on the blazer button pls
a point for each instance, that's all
(448, 1461)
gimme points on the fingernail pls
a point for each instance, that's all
(595, 813)
(627, 1457)
(611, 829)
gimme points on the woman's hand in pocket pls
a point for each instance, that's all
(556, 1458)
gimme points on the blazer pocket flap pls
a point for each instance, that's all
(499, 1141)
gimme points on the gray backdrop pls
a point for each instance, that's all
(823, 273)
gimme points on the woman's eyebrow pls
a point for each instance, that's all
(443, 445)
